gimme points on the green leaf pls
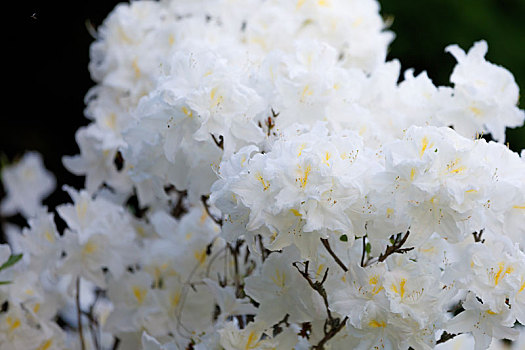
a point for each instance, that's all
(5, 282)
(13, 259)
(131, 209)
(3, 163)
(368, 247)
(3, 160)
(344, 238)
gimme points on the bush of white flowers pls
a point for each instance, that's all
(258, 176)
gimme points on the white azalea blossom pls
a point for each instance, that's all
(26, 184)
(482, 90)
(258, 176)
(483, 323)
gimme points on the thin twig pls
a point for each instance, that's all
(93, 326)
(333, 331)
(79, 315)
(219, 142)
(477, 236)
(188, 284)
(332, 324)
(274, 114)
(116, 343)
(264, 252)
(277, 327)
(212, 259)
(237, 276)
(179, 209)
(336, 258)
(93, 322)
(182, 302)
(396, 247)
(364, 252)
(204, 199)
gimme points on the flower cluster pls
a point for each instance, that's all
(258, 176)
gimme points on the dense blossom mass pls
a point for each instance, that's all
(258, 176)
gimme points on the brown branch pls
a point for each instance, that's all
(477, 236)
(396, 247)
(237, 277)
(220, 142)
(332, 253)
(264, 252)
(179, 209)
(239, 291)
(204, 199)
(332, 324)
(335, 328)
(277, 327)
(224, 282)
(364, 252)
(93, 328)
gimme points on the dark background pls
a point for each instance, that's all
(47, 57)
(424, 28)
(45, 52)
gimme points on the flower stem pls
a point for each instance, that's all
(79, 315)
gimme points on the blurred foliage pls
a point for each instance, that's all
(424, 28)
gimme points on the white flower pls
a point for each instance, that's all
(41, 241)
(227, 301)
(362, 286)
(304, 188)
(261, 140)
(485, 95)
(133, 301)
(461, 341)
(5, 253)
(96, 162)
(26, 184)
(89, 216)
(495, 272)
(483, 323)
(20, 329)
(250, 338)
(100, 235)
(281, 290)
(150, 343)
(413, 293)
(435, 179)
(380, 330)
